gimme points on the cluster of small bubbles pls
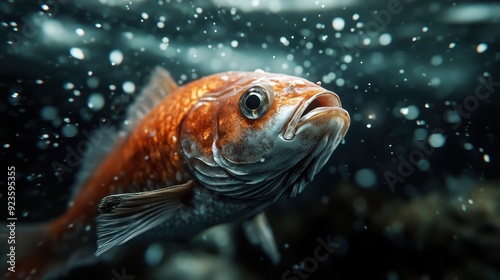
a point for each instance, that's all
(160, 24)
(330, 52)
(77, 53)
(365, 178)
(329, 77)
(410, 113)
(128, 87)
(116, 57)
(320, 26)
(164, 43)
(481, 48)
(69, 130)
(436, 140)
(33, 177)
(284, 41)
(95, 101)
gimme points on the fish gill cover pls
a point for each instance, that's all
(411, 192)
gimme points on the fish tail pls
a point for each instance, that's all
(34, 255)
(27, 252)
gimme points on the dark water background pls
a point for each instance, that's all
(412, 193)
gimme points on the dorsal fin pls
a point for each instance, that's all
(159, 86)
(104, 140)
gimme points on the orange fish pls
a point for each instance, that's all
(216, 150)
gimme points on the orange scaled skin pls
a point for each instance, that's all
(125, 170)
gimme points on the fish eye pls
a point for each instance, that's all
(255, 101)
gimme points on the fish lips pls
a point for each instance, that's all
(321, 106)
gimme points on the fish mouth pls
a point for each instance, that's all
(322, 104)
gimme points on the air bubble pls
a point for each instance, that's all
(77, 53)
(436, 140)
(128, 87)
(116, 57)
(338, 23)
(481, 48)
(95, 102)
(365, 178)
(69, 130)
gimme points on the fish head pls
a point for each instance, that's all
(262, 136)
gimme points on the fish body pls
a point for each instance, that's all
(215, 150)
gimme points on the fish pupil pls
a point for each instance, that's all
(252, 101)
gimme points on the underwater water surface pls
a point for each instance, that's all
(412, 192)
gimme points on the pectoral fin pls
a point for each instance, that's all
(260, 233)
(124, 216)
